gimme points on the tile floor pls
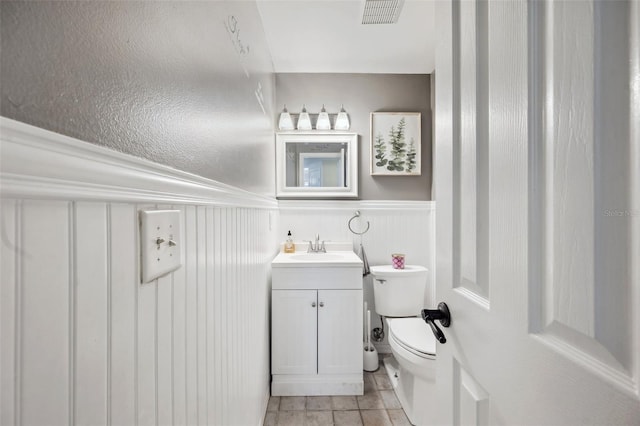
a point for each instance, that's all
(379, 406)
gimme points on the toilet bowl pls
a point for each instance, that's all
(412, 339)
(399, 297)
(413, 346)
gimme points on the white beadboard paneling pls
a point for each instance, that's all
(219, 315)
(201, 319)
(146, 353)
(210, 309)
(232, 314)
(194, 342)
(163, 350)
(224, 317)
(122, 343)
(47, 301)
(179, 306)
(91, 316)
(394, 226)
(241, 283)
(191, 302)
(10, 248)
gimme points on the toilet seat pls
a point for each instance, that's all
(413, 335)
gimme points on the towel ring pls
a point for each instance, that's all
(357, 214)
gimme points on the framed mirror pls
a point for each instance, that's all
(316, 164)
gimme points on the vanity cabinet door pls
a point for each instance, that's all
(294, 331)
(339, 331)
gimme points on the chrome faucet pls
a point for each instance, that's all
(316, 247)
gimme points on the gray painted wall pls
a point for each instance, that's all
(362, 94)
(166, 81)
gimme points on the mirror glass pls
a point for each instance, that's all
(316, 164)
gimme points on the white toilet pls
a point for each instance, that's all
(399, 297)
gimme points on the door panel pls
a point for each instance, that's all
(339, 331)
(584, 209)
(568, 165)
(470, 131)
(538, 225)
(472, 401)
(294, 332)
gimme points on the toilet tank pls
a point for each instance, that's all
(399, 292)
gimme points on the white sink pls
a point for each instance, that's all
(317, 257)
(300, 259)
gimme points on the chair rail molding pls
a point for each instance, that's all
(38, 163)
(356, 204)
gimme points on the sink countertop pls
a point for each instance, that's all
(332, 258)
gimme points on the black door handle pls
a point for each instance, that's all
(441, 314)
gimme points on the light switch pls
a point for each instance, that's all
(160, 243)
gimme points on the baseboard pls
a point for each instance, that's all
(301, 385)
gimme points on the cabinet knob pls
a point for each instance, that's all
(321, 304)
(313, 304)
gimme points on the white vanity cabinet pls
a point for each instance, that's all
(313, 332)
(316, 330)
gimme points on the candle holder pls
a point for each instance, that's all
(397, 261)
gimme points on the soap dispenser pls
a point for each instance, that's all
(289, 246)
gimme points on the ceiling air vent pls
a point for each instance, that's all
(381, 11)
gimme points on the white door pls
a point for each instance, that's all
(294, 335)
(538, 225)
(339, 331)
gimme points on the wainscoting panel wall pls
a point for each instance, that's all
(84, 342)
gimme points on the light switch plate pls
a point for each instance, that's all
(160, 243)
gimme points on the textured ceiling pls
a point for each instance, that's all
(324, 36)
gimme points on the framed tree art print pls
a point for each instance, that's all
(395, 143)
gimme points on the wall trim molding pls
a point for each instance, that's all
(38, 163)
(356, 205)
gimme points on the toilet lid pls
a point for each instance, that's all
(388, 271)
(413, 333)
